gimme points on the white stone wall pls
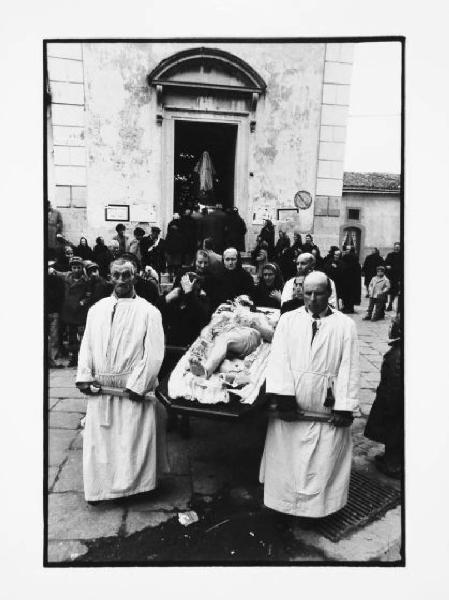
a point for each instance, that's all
(66, 136)
(108, 147)
(331, 153)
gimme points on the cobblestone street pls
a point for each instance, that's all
(220, 460)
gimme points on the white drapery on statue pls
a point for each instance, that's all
(206, 172)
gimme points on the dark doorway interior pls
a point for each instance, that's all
(191, 140)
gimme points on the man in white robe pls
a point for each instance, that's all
(306, 465)
(305, 264)
(123, 347)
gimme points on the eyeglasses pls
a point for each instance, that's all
(124, 275)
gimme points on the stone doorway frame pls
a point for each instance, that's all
(241, 120)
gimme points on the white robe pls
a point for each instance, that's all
(306, 465)
(123, 346)
(287, 292)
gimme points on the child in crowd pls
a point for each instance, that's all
(377, 290)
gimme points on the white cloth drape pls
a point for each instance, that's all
(206, 171)
(123, 447)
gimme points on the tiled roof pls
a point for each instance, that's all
(382, 182)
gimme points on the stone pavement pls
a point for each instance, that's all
(218, 455)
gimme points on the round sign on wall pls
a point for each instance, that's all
(303, 199)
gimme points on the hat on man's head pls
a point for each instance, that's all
(380, 268)
(89, 265)
(76, 260)
(156, 228)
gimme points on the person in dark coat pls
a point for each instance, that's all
(297, 299)
(369, 269)
(98, 287)
(333, 269)
(174, 246)
(63, 258)
(268, 290)
(102, 257)
(292, 254)
(386, 420)
(145, 287)
(234, 280)
(267, 234)
(319, 262)
(55, 298)
(75, 306)
(214, 225)
(282, 255)
(235, 230)
(185, 310)
(308, 245)
(188, 230)
(350, 280)
(153, 249)
(84, 250)
(393, 265)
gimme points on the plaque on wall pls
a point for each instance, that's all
(116, 212)
(303, 199)
(287, 214)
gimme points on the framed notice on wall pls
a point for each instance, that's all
(287, 214)
(116, 212)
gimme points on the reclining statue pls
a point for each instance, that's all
(231, 334)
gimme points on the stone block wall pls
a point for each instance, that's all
(66, 136)
(331, 151)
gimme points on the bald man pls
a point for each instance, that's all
(313, 364)
(305, 264)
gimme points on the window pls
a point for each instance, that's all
(354, 214)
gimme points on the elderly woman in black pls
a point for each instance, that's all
(268, 290)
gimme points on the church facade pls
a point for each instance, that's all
(129, 125)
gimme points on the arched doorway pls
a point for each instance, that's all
(206, 101)
(352, 236)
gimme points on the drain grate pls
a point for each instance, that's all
(368, 500)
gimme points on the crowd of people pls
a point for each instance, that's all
(206, 269)
(201, 253)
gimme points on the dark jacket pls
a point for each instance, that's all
(154, 255)
(147, 289)
(55, 293)
(372, 261)
(334, 271)
(103, 257)
(351, 280)
(232, 284)
(98, 288)
(386, 420)
(262, 296)
(235, 232)
(185, 317)
(76, 290)
(267, 234)
(187, 226)
(214, 225)
(84, 252)
(292, 304)
(393, 260)
(174, 241)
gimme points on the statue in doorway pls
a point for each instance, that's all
(206, 172)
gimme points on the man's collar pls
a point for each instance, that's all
(325, 313)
